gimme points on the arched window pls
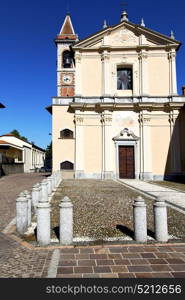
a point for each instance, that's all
(67, 165)
(66, 134)
(67, 60)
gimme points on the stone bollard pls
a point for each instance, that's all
(28, 196)
(66, 222)
(35, 195)
(52, 182)
(140, 221)
(160, 220)
(49, 186)
(22, 214)
(44, 191)
(43, 223)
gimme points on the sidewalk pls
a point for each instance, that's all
(175, 199)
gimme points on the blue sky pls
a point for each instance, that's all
(28, 53)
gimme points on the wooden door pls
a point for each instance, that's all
(126, 162)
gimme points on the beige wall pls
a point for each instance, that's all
(62, 149)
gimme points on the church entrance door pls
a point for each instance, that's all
(126, 162)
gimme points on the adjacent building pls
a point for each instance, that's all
(26, 157)
(117, 113)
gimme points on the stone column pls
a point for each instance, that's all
(79, 145)
(173, 74)
(43, 223)
(140, 221)
(28, 197)
(66, 222)
(22, 214)
(143, 72)
(105, 58)
(49, 181)
(78, 83)
(35, 195)
(160, 220)
(107, 144)
(44, 191)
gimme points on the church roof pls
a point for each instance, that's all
(138, 28)
(67, 31)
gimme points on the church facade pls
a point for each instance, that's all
(117, 113)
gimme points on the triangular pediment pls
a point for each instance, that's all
(126, 34)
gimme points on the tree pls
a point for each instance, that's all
(16, 133)
(48, 157)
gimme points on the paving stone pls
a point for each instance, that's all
(65, 263)
(82, 256)
(178, 274)
(139, 262)
(98, 256)
(118, 250)
(86, 262)
(162, 275)
(140, 268)
(103, 269)
(119, 269)
(131, 255)
(148, 255)
(83, 270)
(160, 268)
(104, 262)
(86, 250)
(157, 261)
(65, 270)
(122, 262)
(175, 261)
(107, 275)
(115, 256)
(178, 267)
(143, 275)
(126, 275)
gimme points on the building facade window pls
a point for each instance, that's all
(66, 134)
(67, 165)
(124, 78)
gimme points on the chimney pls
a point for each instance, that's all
(183, 90)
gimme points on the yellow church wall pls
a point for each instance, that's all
(63, 149)
(91, 76)
(160, 140)
(93, 149)
(158, 75)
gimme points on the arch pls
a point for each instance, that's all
(66, 134)
(67, 59)
(67, 165)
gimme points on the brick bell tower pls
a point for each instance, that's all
(65, 59)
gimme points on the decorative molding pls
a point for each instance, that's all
(78, 120)
(126, 134)
(106, 119)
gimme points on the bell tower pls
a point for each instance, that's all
(65, 59)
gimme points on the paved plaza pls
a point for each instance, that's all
(23, 260)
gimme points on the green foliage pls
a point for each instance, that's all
(17, 134)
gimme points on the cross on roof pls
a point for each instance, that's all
(124, 5)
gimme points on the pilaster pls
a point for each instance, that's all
(106, 120)
(78, 79)
(173, 74)
(105, 58)
(143, 73)
(79, 144)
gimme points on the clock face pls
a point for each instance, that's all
(67, 79)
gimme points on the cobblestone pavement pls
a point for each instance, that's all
(10, 188)
(20, 260)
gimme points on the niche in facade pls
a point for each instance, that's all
(67, 59)
(66, 134)
(67, 165)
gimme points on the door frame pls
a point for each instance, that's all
(133, 160)
(127, 138)
(136, 155)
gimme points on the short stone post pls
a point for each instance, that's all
(44, 191)
(160, 220)
(140, 221)
(52, 182)
(28, 196)
(49, 186)
(35, 195)
(22, 214)
(66, 222)
(43, 223)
